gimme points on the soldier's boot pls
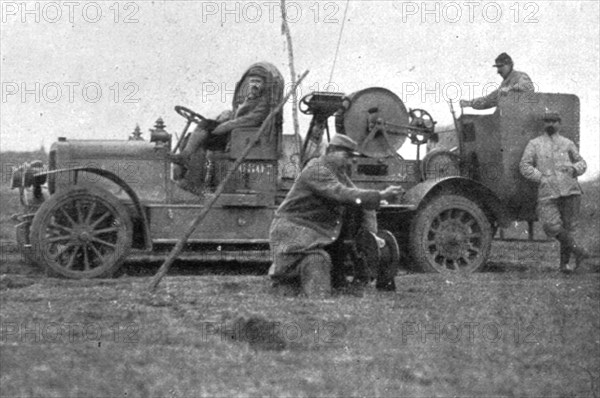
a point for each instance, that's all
(315, 275)
(565, 257)
(580, 255)
(565, 238)
(385, 277)
(196, 140)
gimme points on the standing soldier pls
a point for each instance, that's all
(553, 162)
(512, 80)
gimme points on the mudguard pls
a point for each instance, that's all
(117, 180)
(490, 203)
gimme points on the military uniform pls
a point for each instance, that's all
(251, 113)
(512, 81)
(515, 81)
(553, 162)
(310, 218)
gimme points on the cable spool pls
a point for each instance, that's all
(366, 105)
(390, 253)
(381, 262)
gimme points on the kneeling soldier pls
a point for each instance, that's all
(309, 220)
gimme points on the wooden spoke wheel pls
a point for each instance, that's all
(82, 232)
(450, 234)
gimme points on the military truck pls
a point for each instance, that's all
(100, 202)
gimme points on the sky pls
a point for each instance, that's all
(96, 69)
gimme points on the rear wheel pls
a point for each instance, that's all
(82, 232)
(450, 234)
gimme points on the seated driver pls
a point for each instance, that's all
(250, 113)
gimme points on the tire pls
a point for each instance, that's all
(82, 232)
(450, 234)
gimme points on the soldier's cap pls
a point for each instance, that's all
(345, 142)
(551, 116)
(503, 59)
(257, 71)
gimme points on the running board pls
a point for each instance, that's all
(242, 256)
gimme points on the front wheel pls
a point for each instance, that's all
(82, 232)
(450, 234)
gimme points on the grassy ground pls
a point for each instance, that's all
(512, 331)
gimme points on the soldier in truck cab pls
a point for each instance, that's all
(250, 113)
(512, 81)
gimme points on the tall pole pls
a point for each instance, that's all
(285, 30)
(337, 47)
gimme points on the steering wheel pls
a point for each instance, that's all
(191, 117)
(189, 114)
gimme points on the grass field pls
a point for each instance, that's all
(519, 328)
(516, 331)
